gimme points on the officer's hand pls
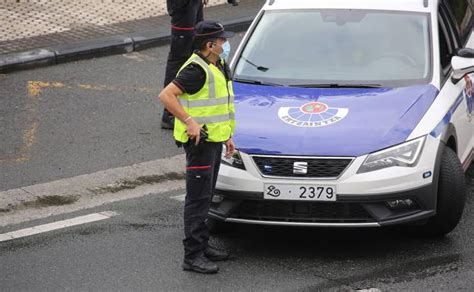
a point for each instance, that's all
(193, 130)
(205, 2)
(230, 148)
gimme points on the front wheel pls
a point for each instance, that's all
(451, 196)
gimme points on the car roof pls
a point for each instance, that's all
(397, 5)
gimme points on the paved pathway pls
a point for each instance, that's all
(33, 24)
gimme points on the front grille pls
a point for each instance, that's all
(288, 211)
(316, 167)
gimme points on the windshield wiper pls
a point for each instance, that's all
(258, 82)
(336, 85)
(259, 68)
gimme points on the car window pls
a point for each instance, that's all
(445, 46)
(338, 46)
(462, 11)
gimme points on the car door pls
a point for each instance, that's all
(459, 93)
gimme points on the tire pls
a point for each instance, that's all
(451, 196)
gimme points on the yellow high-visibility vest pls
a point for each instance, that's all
(212, 106)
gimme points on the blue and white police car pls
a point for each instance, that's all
(352, 114)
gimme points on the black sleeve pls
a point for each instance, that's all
(227, 72)
(191, 79)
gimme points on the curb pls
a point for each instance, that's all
(23, 60)
(91, 190)
(119, 44)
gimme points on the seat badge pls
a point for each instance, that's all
(300, 167)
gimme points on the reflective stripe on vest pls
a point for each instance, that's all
(214, 119)
(212, 87)
(206, 102)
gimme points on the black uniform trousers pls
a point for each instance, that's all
(202, 166)
(183, 20)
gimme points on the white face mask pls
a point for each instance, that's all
(225, 51)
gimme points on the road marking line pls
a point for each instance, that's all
(35, 88)
(57, 225)
(29, 135)
(139, 57)
(179, 198)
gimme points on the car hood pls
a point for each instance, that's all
(326, 121)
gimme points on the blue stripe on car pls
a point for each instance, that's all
(447, 118)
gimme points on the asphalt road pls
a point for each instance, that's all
(77, 118)
(81, 117)
(140, 249)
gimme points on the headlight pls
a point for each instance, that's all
(405, 155)
(235, 160)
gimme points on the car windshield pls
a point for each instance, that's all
(332, 48)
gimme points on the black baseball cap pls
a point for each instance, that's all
(208, 29)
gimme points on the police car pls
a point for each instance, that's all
(351, 114)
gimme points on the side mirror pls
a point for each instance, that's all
(462, 63)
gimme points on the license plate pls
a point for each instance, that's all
(299, 192)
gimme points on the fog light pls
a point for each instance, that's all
(401, 204)
(427, 174)
(217, 198)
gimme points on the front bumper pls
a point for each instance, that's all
(347, 211)
(362, 199)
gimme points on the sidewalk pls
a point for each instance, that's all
(46, 32)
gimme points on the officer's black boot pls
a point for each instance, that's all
(200, 264)
(167, 121)
(216, 255)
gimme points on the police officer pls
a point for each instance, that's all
(184, 15)
(201, 99)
